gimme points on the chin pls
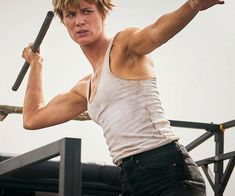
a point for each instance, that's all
(84, 42)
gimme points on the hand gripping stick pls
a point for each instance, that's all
(35, 47)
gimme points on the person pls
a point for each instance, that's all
(121, 95)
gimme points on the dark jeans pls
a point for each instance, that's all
(164, 171)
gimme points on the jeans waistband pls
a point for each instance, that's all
(171, 145)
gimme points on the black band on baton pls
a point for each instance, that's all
(35, 47)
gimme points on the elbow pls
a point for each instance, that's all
(27, 127)
(29, 124)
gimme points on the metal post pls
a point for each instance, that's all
(70, 168)
(219, 165)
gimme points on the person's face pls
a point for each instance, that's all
(84, 24)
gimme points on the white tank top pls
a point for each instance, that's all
(130, 114)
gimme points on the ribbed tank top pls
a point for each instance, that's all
(130, 113)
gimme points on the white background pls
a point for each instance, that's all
(195, 73)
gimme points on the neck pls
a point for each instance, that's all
(95, 52)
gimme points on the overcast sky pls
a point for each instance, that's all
(195, 72)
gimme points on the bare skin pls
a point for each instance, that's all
(128, 58)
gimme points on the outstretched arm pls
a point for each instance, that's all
(144, 41)
(64, 107)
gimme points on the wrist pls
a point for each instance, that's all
(195, 5)
(36, 60)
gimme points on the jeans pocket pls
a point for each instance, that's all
(191, 169)
(165, 165)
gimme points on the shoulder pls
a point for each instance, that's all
(121, 42)
(128, 31)
(125, 34)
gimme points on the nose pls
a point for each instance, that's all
(80, 20)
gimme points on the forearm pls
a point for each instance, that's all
(165, 28)
(34, 93)
(172, 23)
(168, 25)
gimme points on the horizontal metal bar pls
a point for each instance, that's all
(195, 125)
(214, 159)
(199, 140)
(35, 156)
(9, 109)
(228, 124)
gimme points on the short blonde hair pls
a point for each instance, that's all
(104, 6)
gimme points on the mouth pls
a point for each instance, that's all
(82, 33)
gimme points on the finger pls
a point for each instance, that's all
(38, 51)
(221, 2)
(23, 52)
(30, 44)
(30, 47)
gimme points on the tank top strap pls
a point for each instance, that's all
(107, 54)
(106, 66)
(88, 86)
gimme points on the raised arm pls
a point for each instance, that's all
(60, 109)
(144, 41)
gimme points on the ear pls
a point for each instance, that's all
(104, 16)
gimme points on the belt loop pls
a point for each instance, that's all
(132, 158)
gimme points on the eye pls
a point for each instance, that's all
(86, 11)
(70, 14)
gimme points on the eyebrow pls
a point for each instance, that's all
(80, 8)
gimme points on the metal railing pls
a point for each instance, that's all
(69, 150)
(218, 179)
